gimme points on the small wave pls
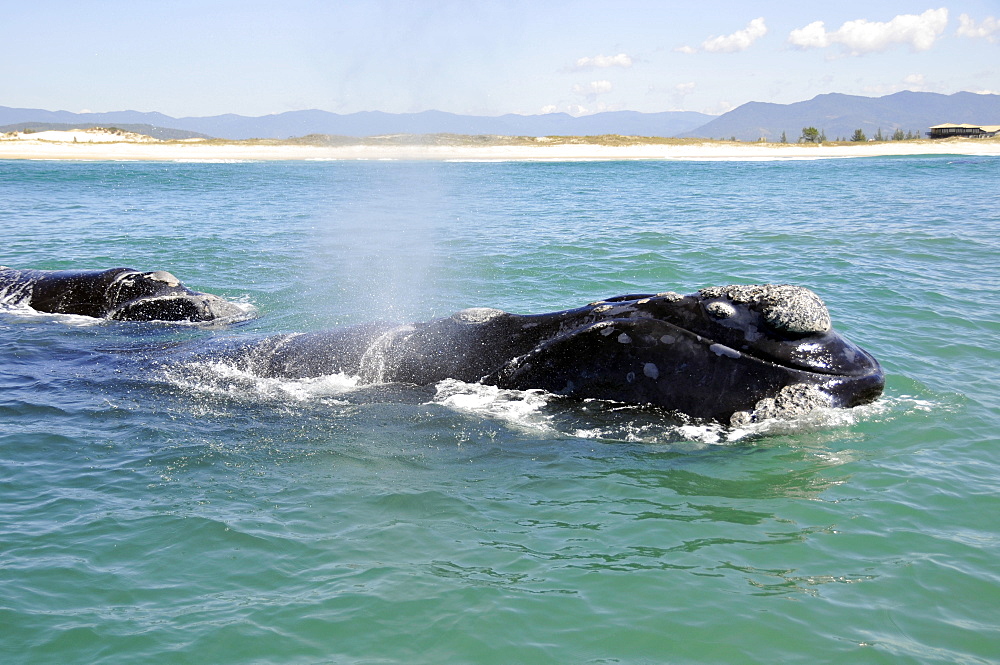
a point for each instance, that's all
(547, 414)
(25, 313)
(663, 431)
(20, 310)
(536, 412)
(221, 379)
(522, 408)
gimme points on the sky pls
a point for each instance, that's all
(478, 57)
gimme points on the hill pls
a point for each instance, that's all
(835, 114)
(839, 115)
(374, 123)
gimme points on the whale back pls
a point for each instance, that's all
(83, 292)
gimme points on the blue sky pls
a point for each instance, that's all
(188, 58)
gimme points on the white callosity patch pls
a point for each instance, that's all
(721, 310)
(165, 277)
(790, 402)
(723, 350)
(604, 327)
(788, 308)
(477, 315)
(614, 310)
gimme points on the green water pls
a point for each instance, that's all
(160, 513)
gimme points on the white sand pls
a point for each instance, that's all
(101, 146)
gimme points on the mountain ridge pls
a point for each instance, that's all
(371, 123)
(839, 115)
(835, 114)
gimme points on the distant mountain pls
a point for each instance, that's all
(834, 114)
(839, 115)
(163, 133)
(375, 123)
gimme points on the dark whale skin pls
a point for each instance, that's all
(121, 294)
(720, 354)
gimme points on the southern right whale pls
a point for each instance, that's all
(122, 294)
(729, 353)
(732, 354)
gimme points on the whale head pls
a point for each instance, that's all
(159, 296)
(118, 293)
(732, 353)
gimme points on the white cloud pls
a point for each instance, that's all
(593, 88)
(988, 29)
(864, 36)
(604, 61)
(685, 88)
(813, 35)
(739, 40)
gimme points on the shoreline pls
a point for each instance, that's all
(573, 150)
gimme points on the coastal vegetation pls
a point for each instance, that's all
(100, 144)
(613, 140)
(809, 135)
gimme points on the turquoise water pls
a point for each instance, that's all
(156, 512)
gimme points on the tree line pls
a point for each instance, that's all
(813, 135)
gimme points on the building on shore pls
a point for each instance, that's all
(948, 130)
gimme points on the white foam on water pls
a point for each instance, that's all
(18, 309)
(16, 294)
(524, 409)
(538, 413)
(638, 427)
(221, 379)
(661, 432)
(25, 313)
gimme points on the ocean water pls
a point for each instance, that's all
(154, 511)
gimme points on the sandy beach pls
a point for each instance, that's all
(94, 145)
